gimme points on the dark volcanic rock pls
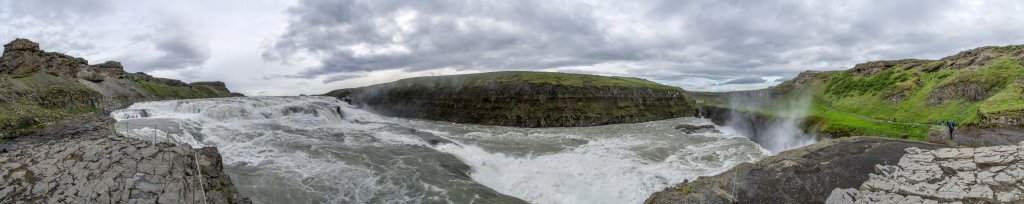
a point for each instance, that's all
(23, 57)
(212, 84)
(21, 44)
(869, 68)
(522, 103)
(690, 129)
(803, 175)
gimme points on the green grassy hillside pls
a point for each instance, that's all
(978, 87)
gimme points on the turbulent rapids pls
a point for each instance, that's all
(322, 150)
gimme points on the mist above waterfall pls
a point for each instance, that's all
(776, 125)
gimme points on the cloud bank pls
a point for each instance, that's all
(311, 46)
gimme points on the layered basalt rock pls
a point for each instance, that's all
(83, 161)
(523, 103)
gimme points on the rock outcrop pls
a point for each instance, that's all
(971, 175)
(38, 87)
(802, 175)
(524, 99)
(869, 68)
(83, 161)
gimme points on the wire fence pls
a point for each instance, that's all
(147, 133)
(155, 137)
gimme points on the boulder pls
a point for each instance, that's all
(110, 69)
(21, 44)
(692, 128)
(21, 57)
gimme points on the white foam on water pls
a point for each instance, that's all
(602, 171)
(300, 150)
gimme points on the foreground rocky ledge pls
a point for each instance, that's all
(83, 161)
(972, 175)
(802, 175)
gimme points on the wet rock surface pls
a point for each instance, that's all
(691, 129)
(83, 161)
(971, 175)
(802, 175)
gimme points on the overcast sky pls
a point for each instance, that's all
(266, 47)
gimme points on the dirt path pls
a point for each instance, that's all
(873, 119)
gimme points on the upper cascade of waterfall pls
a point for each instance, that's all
(321, 109)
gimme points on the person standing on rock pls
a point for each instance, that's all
(952, 126)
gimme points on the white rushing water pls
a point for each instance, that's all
(778, 134)
(322, 150)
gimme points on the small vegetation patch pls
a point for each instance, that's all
(687, 188)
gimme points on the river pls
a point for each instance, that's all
(322, 150)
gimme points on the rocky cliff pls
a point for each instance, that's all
(38, 87)
(524, 99)
(57, 144)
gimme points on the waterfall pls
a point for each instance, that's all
(773, 124)
(323, 150)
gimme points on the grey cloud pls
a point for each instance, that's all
(177, 44)
(746, 80)
(58, 11)
(678, 39)
(69, 26)
(51, 22)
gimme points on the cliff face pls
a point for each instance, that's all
(524, 99)
(38, 87)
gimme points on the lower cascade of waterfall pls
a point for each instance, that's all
(322, 150)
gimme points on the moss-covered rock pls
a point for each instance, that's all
(525, 99)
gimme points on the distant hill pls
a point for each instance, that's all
(38, 87)
(525, 99)
(978, 87)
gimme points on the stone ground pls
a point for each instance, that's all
(977, 137)
(803, 175)
(83, 161)
(949, 175)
